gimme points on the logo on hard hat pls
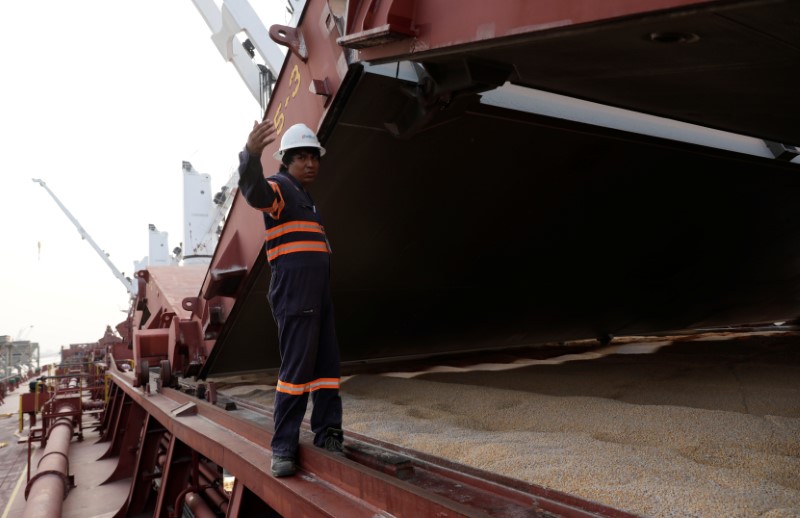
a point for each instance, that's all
(298, 135)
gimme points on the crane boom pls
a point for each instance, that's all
(118, 274)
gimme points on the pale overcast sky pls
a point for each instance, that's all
(103, 100)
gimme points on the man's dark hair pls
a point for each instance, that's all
(289, 154)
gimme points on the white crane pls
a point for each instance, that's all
(103, 255)
(228, 20)
(23, 333)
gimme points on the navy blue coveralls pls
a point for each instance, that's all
(299, 294)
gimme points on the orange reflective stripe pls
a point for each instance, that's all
(297, 246)
(277, 206)
(296, 390)
(294, 226)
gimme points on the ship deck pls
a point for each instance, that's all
(12, 455)
(703, 424)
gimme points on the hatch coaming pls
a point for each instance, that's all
(458, 225)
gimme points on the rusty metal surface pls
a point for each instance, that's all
(429, 26)
(226, 442)
(167, 286)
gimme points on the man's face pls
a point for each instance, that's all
(305, 166)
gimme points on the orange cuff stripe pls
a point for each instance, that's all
(272, 208)
(277, 206)
(297, 246)
(296, 390)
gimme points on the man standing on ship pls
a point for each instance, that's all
(299, 294)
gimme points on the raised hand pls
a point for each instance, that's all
(261, 136)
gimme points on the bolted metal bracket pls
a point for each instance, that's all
(783, 152)
(321, 87)
(290, 37)
(186, 409)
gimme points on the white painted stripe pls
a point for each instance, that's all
(16, 489)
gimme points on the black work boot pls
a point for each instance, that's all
(283, 466)
(333, 441)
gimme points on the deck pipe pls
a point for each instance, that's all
(211, 489)
(177, 509)
(198, 506)
(46, 491)
(94, 405)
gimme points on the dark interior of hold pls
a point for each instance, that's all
(484, 227)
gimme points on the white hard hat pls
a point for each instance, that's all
(298, 135)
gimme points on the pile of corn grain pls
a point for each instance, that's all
(702, 428)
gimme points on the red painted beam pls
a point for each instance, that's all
(248, 461)
(439, 24)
